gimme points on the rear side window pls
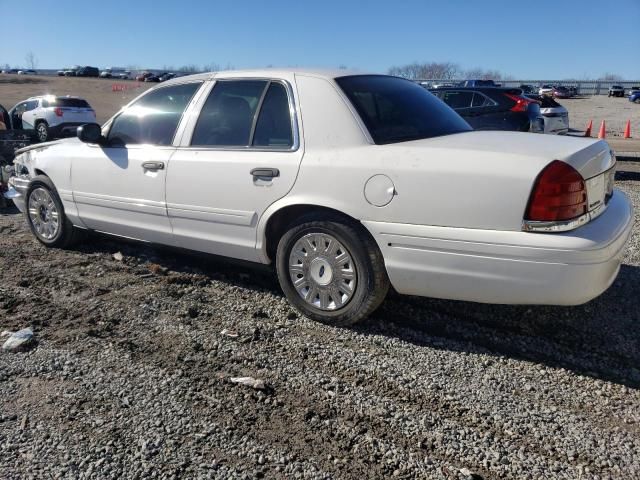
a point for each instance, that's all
(66, 102)
(273, 128)
(480, 100)
(227, 115)
(154, 118)
(458, 99)
(396, 110)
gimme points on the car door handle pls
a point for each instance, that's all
(153, 165)
(265, 172)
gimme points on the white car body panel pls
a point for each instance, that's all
(132, 202)
(451, 227)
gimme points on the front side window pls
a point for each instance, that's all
(398, 110)
(154, 118)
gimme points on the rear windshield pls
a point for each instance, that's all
(67, 102)
(397, 110)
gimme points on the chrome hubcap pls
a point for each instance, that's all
(43, 214)
(322, 271)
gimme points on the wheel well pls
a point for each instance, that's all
(39, 172)
(279, 221)
(41, 120)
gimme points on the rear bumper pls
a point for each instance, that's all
(507, 267)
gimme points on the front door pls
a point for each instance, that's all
(119, 187)
(242, 156)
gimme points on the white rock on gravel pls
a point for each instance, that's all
(254, 383)
(18, 340)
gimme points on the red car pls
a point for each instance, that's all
(143, 76)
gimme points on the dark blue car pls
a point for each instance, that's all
(635, 97)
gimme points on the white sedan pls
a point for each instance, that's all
(347, 183)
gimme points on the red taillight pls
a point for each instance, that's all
(59, 112)
(522, 103)
(558, 194)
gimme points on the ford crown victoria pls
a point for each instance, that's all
(348, 183)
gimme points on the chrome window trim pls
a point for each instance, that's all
(185, 143)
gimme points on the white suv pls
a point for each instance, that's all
(52, 116)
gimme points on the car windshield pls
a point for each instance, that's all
(398, 110)
(69, 102)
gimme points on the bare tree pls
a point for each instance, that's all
(482, 74)
(211, 67)
(191, 68)
(31, 60)
(439, 70)
(611, 77)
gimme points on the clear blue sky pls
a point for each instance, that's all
(573, 39)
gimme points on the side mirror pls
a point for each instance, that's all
(90, 133)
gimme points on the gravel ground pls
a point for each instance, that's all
(615, 111)
(131, 375)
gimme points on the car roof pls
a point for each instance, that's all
(38, 97)
(266, 73)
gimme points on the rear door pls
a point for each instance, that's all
(241, 154)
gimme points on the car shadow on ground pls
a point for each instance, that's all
(600, 339)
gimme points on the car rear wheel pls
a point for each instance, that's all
(46, 217)
(42, 130)
(331, 271)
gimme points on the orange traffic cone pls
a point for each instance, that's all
(627, 130)
(603, 130)
(587, 133)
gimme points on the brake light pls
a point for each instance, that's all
(58, 112)
(522, 103)
(559, 193)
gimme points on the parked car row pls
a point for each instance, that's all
(112, 72)
(19, 72)
(493, 108)
(348, 184)
(496, 108)
(556, 91)
(155, 77)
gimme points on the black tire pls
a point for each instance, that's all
(66, 234)
(372, 281)
(42, 131)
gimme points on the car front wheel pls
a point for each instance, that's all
(331, 271)
(45, 215)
